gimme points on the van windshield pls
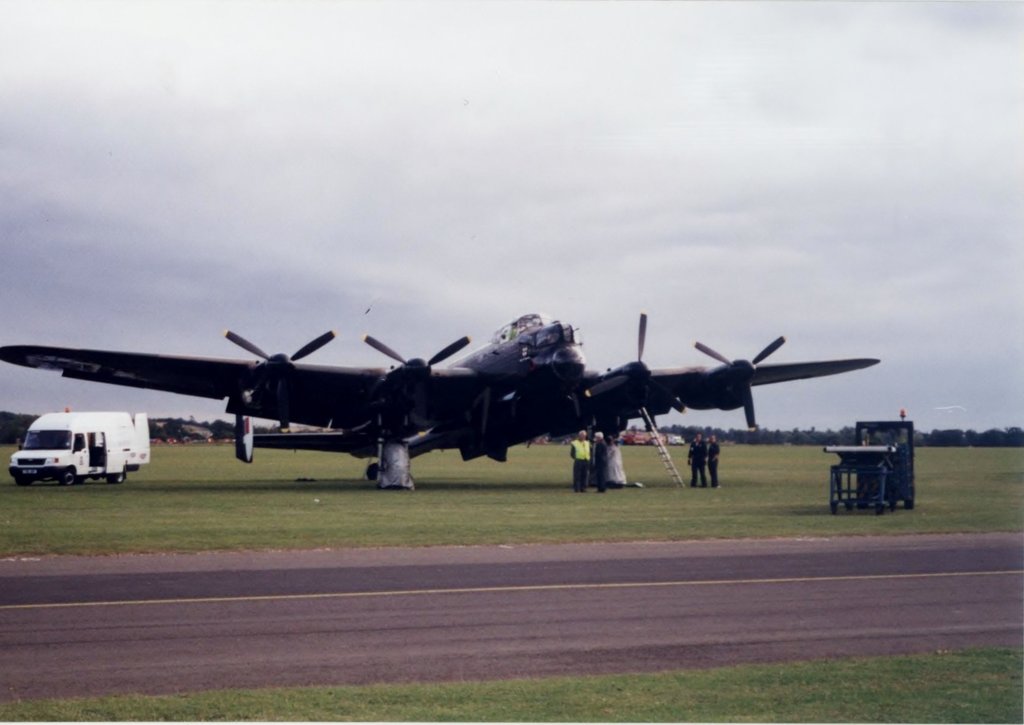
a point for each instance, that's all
(47, 440)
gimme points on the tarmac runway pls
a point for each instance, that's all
(81, 626)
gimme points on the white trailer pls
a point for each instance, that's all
(71, 447)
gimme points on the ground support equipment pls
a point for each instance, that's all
(877, 473)
(863, 478)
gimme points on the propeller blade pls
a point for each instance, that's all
(311, 347)
(649, 422)
(716, 355)
(742, 373)
(673, 399)
(606, 385)
(449, 351)
(485, 410)
(381, 347)
(748, 407)
(245, 344)
(282, 403)
(775, 345)
(642, 336)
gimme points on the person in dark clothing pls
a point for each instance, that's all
(713, 451)
(697, 458)
(599, 475)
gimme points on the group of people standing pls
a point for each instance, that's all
(600, 464)
(702, 453)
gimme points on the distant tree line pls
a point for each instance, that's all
(179, 429)
(14, 425)
(993, 438)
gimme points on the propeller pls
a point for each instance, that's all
(403, 379)
(606, 386)
(304, 351)
(440, 356)
(741, 371)
(636, 371)
(638, 375)
(276, 368)
(641, 336)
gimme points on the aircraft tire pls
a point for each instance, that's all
(372, 471)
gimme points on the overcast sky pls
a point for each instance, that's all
(850, 175)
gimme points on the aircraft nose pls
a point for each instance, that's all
(567, 363)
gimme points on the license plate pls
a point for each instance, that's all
(30, 470)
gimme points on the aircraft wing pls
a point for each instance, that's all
(728, 386)
(781, 372)
(634, 390)
(203, 377)
(360, 443)
(319, 395)
(316, 393)
(687, 383)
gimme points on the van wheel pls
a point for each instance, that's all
(67, 477)
(22, 481)
(117, 477)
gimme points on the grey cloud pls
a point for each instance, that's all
(845, 174)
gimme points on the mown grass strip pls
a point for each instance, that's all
(200, 498)
(966, 687)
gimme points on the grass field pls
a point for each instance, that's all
(199, 498)
(967, 687)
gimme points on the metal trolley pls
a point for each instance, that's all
(877, 474)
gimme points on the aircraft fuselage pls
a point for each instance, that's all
(532, 346)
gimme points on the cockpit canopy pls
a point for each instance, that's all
(513, 329)
(535, 331)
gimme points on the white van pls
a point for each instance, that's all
(71, 447)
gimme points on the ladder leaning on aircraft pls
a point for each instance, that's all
(529, 380)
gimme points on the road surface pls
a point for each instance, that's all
(82, 626)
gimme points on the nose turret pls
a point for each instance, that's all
(567, 363)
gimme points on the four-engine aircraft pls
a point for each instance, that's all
(528, 381)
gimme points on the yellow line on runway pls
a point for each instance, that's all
(507, 589)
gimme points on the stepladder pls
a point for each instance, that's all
(663, 453)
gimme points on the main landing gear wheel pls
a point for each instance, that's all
(373, 472)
